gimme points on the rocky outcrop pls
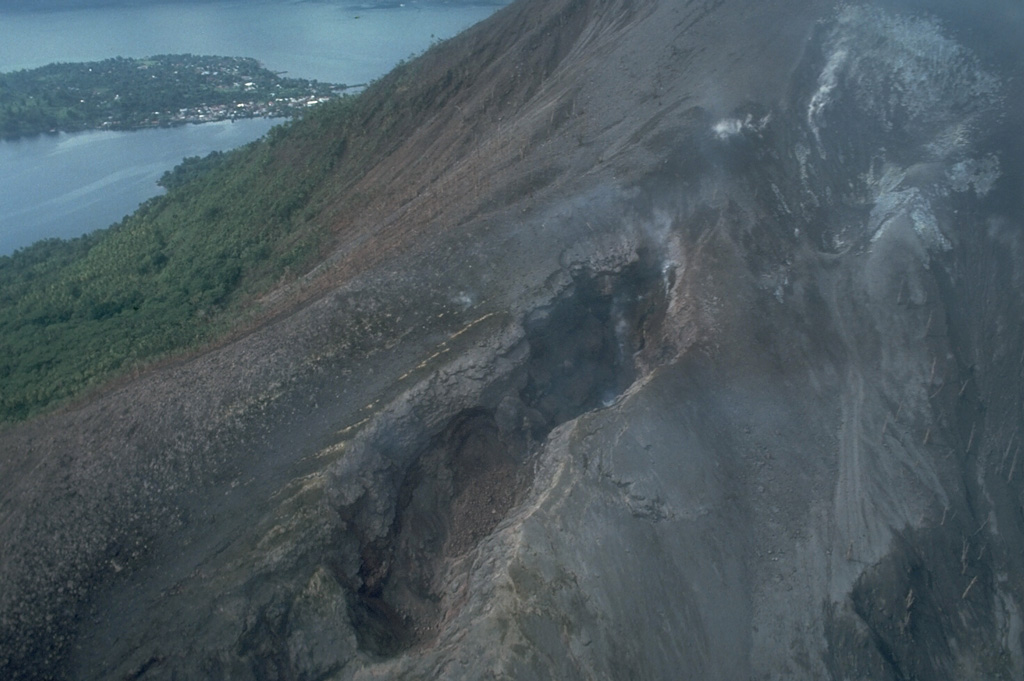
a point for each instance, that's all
(712, 368)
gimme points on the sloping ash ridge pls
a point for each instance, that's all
(698, 357)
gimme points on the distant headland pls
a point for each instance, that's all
(160, 91)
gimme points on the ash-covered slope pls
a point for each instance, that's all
(677, 340)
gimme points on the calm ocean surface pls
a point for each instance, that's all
(66, 185)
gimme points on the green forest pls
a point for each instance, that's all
(128, 94)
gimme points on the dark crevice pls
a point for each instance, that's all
(467, 478)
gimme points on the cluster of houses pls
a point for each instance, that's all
(280, 107)
(276, 108)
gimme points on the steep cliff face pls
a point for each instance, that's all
(681, 340)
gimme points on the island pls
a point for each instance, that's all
(165, 90)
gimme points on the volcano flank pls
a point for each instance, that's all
(643, 339)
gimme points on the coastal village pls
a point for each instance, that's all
(281, 107)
